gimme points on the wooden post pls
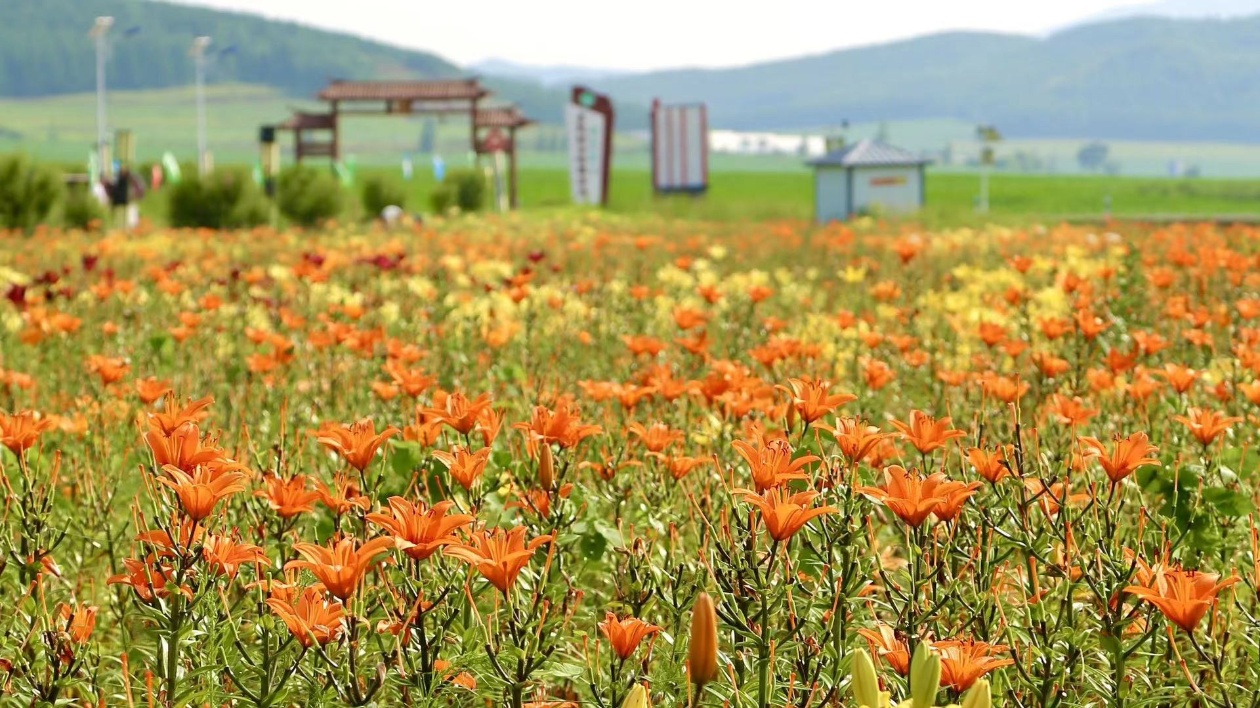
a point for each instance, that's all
(336, 134)
(472, 122)
(513, 203)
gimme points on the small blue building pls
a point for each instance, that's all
(866, 175)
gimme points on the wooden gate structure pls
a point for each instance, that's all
(491, 128)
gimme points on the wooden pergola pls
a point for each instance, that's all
(491, 128)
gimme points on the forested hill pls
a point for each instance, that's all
(45, 50)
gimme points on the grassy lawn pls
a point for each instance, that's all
(755, 196)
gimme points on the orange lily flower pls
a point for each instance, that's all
(357, 443)
(182, 448)
(877, 373)
(288, 497)
(168, 422)
(911, 497)
(108, 369)
(187, 534)
(856, 438)
(560, 427)
(772, 464)
(1070, 411)
(886, 645)
(341, 567)
(420, 531)
(1128, 455)
(461, 414)
(465, 467)
(625, 635)
(1206, 425)
(656, 437)
(963, 662)
(1181, 378)
(206, 487)
(343, 496)
(489, 423)
(150, 578)
(680, 466)
(151, 389)
(641, 345)
(1184, 596)
(19, 432)
(79, 621)
(226, 555)
(497, 554)
(813, 399)
(1051, 497)
(991, 465)
(954, 494)
(313, 619)
(784, 515)
(413, 382)
(927, 433)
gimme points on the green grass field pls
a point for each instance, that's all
(950, 197)
(62, 129)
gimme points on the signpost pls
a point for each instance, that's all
(988, 135)
(496, 144)
(588, 118)
(680, 148)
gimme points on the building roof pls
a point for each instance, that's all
(869, 153)
(445, 90)
(501, 117)
(307, 121)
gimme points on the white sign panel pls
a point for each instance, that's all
(587, 129)
(680, 148)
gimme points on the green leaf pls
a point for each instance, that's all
(406, 456)
(593, 546)
(609, 532)
(1228, 502)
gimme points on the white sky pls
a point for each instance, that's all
(654, 34)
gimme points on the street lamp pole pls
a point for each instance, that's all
(199, 57)
(99, 32)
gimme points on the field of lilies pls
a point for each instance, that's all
(618, 461)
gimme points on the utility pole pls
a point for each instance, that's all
(199, 58)
(100, 32)
(988, 135)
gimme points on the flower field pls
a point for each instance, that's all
(606, 461)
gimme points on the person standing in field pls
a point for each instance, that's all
(124, 191)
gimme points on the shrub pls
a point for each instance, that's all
(442, 199)
(81, 209)
(308, 196)
(224, 200)
(470, 189)
(380, 192)
(28, 192)
(465, 189)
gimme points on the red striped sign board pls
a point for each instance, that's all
(680, 147)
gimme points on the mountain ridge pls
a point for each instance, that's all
(1135, 78)
(1109, 80)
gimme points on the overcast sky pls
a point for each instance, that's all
(654, 34)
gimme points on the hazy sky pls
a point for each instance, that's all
(653, 34)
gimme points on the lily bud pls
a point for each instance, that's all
(546, 468)
(865, 683)
(925, 676)
(637, 698)
(702, 650)
(978, 696)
